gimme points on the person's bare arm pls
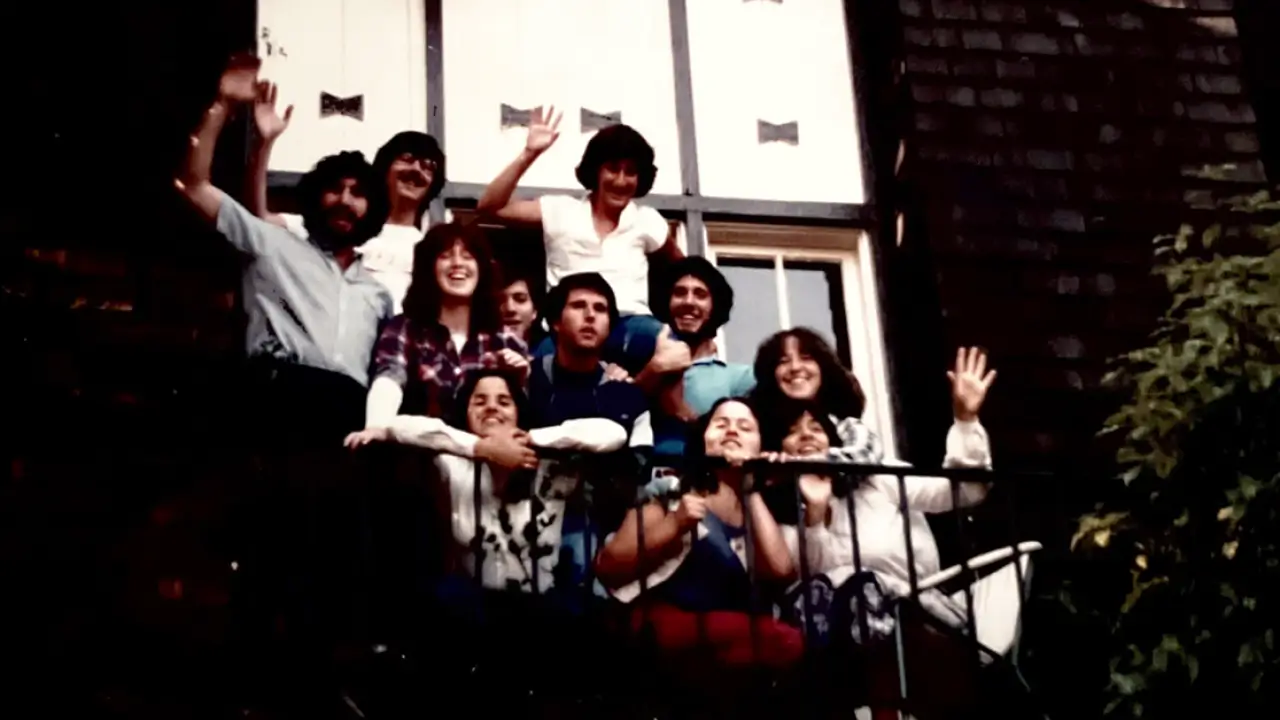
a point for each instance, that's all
(194, 182)
(237, 84)
(620, 561)
(773, 554)
(670, 250)
(496, 200)
(270, 125)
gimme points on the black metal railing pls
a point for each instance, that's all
(909, 648)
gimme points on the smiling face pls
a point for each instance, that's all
(690, 305)
(732, 426)
(807, 438)
(457, 272)
(617, 182)
(517, 308)
(491, 407)
(344, 204)
(409, 178)
(798, 374)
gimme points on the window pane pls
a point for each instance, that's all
(816, 300)
(780, 63)
(371, 49)
(602, 56)
(755, 306)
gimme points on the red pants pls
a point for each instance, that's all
(728, 634)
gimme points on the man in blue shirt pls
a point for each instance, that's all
(572, 384)
(313, 307)
(313, 311)
(686, 377)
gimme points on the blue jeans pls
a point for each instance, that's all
(630, 344)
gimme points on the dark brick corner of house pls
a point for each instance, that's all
(1043, 145)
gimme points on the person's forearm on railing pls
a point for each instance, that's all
(621, 561)
(589, 435)
(432, 434)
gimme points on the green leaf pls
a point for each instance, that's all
(1211, 236)
(1186, 548)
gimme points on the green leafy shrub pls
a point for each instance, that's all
(1185, 562)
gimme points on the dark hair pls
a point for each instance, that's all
(513, 273)
(839, 393)
(462, 397)
(697, 469)
(553, 308)
(780, 496)
(419, 145)
(327, 173)
(422, 301)
(520, 484)
(614, 143)
(702, 269)
(781, 418)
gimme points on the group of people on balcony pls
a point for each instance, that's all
(367, 331)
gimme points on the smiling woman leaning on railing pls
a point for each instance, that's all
(685, 567)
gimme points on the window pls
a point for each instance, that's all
(371, 49)
(766, 73)
(806, 277)
(603, 57)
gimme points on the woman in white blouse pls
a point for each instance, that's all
(877, 500)
(522, 500)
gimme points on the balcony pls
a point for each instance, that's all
(416, 628)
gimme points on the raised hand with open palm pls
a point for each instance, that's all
(239, 79)
(970, 381)
(270, 124)
(544, 128)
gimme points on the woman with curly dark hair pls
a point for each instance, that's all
(798, 365)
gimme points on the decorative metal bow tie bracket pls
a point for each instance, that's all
(589, 120)
(767, 132)
(352, 107)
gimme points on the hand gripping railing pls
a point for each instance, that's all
(626, 473)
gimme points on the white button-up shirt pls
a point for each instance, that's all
(621, 257)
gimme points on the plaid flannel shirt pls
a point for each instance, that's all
(423, 359)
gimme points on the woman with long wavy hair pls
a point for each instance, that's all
(450, 325)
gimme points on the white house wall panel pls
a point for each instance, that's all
(373, 50)
(628, 67)
(385, 49)
(296, 39)
(773, 100)
(608, 57)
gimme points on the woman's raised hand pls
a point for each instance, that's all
(970, 381)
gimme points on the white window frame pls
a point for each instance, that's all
(862, 312)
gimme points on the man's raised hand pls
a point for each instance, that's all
(239, 81)
(544, 128)
(270, 123)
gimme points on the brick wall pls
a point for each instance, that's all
(1044, 145)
